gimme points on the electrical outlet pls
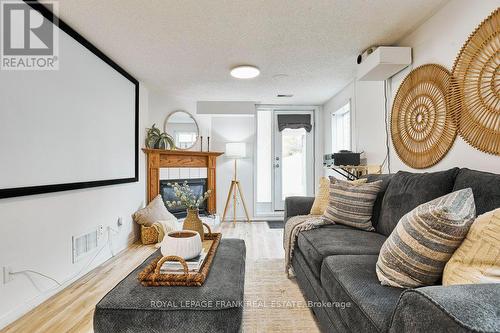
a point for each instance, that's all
(7, 276)
(100, 231)
(120, 221)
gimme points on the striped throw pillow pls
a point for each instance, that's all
(415, 253)
(323, 195)
(352, 204)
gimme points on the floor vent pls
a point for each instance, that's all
(84, 244)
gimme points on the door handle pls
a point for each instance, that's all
(277, 165)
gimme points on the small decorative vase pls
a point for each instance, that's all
(185, 244)
(193, 222)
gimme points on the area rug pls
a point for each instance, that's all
(274, 303)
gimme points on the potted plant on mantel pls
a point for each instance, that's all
(188, 199)
(157, 140)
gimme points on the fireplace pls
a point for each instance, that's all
(198, 185)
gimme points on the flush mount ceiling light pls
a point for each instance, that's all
(245, 72)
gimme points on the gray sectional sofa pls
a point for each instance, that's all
(335, 265)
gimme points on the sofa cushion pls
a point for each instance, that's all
(386, 179)
(352, 278)
(317, 244)
(485, 186)
(458, 309)
(407, 191)
(328, 317)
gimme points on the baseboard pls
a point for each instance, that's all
(243, 219)
(265, 219)
(16, 313)
(29, 305)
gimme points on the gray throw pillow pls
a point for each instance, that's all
(352, 204)
(423, 241)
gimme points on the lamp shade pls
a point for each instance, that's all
(236, 150)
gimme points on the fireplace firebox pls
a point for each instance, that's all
(198, 185)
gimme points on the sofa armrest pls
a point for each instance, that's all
(458, 308)
(297, 206)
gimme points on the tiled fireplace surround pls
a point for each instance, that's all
(182, 173)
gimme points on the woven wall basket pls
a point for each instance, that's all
(475, 97)
(422, 126)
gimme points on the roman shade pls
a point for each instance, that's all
(294, 121)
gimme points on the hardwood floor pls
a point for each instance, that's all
(72, 309)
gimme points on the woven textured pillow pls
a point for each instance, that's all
(477, 260)
(415, 253)
(155, 211)
(321, 200)
(352, 204)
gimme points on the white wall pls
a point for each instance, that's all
(234, 129)
(438, 40)
(370, 127)
(36, 233)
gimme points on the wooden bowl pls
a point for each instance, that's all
(184, 243)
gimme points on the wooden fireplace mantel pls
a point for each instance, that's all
(159, 158)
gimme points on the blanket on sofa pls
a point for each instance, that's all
(293, 227)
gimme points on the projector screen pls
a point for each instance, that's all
(74, 127)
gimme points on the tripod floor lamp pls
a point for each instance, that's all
(236, 150)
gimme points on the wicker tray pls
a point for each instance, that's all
(151, 276)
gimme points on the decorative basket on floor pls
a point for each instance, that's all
(152, 277)
(149, 235)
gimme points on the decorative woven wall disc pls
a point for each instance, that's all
(475, 97)
(422, 127)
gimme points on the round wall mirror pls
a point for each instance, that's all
(183, 128)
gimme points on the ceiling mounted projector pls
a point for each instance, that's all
(383, 62)
(365, 54)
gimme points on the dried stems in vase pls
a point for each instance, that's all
(186, 196)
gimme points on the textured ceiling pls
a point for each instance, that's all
(186, 48)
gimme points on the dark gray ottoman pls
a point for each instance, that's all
(217, 306)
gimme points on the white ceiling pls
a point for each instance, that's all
(187, 47)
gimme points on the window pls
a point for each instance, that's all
(341, 128)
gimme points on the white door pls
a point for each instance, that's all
(293, 161)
